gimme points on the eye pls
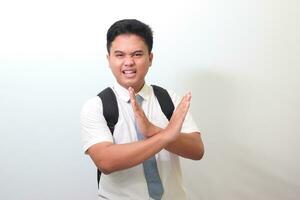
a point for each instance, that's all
(137, 54)
(119, 55)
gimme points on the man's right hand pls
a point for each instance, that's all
(145, 126)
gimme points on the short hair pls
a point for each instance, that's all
(130, 26)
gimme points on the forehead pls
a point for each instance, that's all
(128, 42)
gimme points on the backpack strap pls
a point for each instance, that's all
(110, 113)
(164, 100)
(110, 108)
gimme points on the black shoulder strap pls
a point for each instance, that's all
(110, 112)
(165, 101)
(110, 108)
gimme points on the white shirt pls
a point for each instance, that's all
(130, 183)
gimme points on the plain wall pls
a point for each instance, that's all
(239, 58)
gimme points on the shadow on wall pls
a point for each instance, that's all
(232, 167)
(214, 95)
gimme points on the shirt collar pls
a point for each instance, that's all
(124, 94)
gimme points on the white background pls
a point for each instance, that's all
(240, 59)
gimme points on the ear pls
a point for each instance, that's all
(150, 58)
(107, 57)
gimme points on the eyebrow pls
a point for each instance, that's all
(117, 51)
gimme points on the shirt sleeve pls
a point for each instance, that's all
(189, 125)
(93, 124)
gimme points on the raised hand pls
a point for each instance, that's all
(174, 127)
(145, 126)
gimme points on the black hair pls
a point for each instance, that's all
(130, 26)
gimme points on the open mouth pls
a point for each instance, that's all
(129, 73)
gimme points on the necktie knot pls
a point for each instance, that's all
(139, 99)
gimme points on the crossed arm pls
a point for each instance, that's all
(109, 157)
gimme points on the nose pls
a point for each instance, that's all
(129, 61)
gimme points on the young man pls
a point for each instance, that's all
(141, 159)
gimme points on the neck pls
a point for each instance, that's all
(136, 88)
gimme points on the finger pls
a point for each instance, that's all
(131, 94)
(186, 99)
(133, 101)
(184, 104)
(189, 96)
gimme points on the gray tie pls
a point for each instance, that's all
(154, 184)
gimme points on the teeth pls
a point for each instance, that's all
(128, 72)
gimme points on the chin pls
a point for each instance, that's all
(131, 83)
(126, 84)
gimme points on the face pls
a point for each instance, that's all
(129, 60)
